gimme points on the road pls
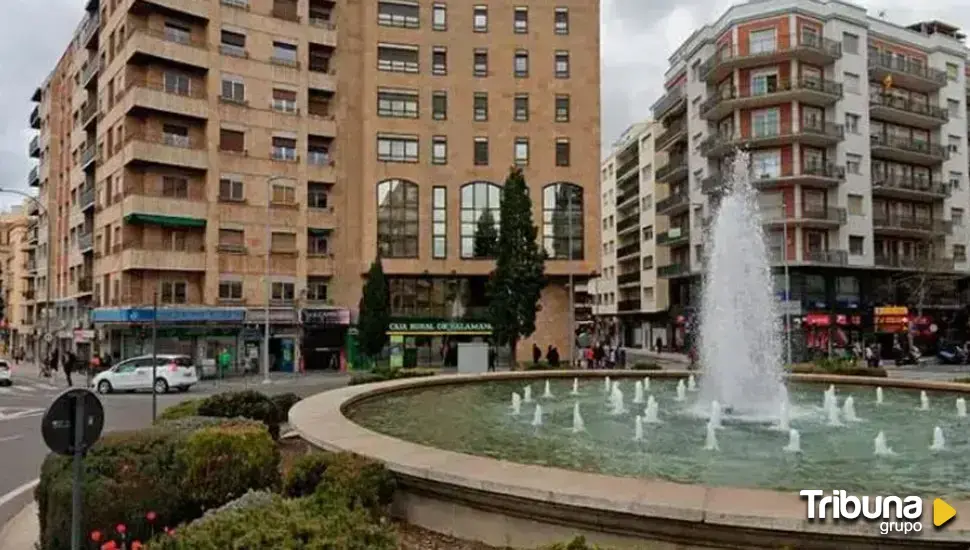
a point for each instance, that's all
(22, 405)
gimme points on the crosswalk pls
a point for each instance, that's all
(30, 387)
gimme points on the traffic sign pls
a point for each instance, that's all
(60, 422)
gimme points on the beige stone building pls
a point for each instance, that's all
(186, 145)
(17, 320)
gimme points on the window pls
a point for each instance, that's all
(521, 151)
(439, 17)
(857, 245)
(174, 32)
(562, 64)
(175, 187)
(480, 106)
(439, 150)
(562, 21)
(318, 150)
(481, 151)
(284, 101)
(480, 62)
(480, 22)
(233, 89)
(520, 107)
(439, 105)
(562, 151)
(397, 219)
(647, 263)
(853, 163)
(765, 123)
(856, 205)
(175, 136)
(648, 233)
(284, 54)
(480, 203)
(397, 59)
(439, 222)
(284, 148)
(956, 216)
(520, 20)
(852, 123)
(317, 242)
(230, 291)
(283, 291)
(953, 143)
(397, 103)
(397, 148)
(850, 43)
(282, 194)
(173, 292)
(562, 221)
(851, 83)
(959, 253)
(953, 108)
(955, 179)
(316, 290)
(439, 60)
(765, 164)
(952, 71)
(317, 195)
(562, 108)
(231, 189)
(521, 63)
(233, 43)
(398, 15)
(763, 41)
(177, 83)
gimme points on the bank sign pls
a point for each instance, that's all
(440, 327)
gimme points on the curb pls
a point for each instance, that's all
(23, 531)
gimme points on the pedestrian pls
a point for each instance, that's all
(69, 360)
(52, 363)
(536, 354)
(492, 357)
(552, 357)
(660, 345)
(621, 358)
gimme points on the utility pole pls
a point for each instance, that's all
(154, 354)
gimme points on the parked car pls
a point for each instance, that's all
(6, 376)
(135, 374)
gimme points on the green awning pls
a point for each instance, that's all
(318, 231)
(164, 221)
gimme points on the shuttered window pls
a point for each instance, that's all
(232, 140)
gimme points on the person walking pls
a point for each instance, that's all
(69, 360)
(225, 362)
(536, 354)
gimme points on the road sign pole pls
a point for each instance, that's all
(76, 497)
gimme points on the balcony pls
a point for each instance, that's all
(926, 264)
(628, 250)
(90, 72)
(33, 177)
(672, 103)
(85, 285)
(174, 47)
(157, 97)
(29, 294)
(809, 91)
(674, 204)
(905, 74)
(162, 259)
(807, 48)
(821, 217)
(88, 114)
(319, 266)
(167, 149)
(812, 134)
(192, 8)
(909, 188)
(890, 108)
(86, 198)
(321, 218)
(632, 278)
(322, 80)
(675, 236)
(88, 155)
(628, 306)
(907, 150)
(673, 271)
(33, 234)
(33, 148)
(85, 242)
(675, 170)
(35, 118)
(816, 176)
(320, 167)
(826, 257)
(89, 31)
(626, 196)
(165, 211)
(632, 222)
(910, 226)
(675, 133)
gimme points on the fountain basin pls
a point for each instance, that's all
(505, 503)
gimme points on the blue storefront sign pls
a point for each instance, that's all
(168, 315)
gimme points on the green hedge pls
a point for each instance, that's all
(244, 404)
(383, 374)
(877, 372)
(284, 402)
(357, 482)
(305, 475)
(189, 407)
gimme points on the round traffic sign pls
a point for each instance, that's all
(60, 420)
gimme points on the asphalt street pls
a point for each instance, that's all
(22, 449)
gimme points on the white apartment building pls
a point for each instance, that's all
(630, 301)
(857, 130)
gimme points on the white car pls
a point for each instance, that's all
(135, 374)
(6, 376)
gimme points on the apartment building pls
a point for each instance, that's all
(17, 324)
(630, 300)
(226, 153)
(857, 132)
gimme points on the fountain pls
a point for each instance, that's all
(879, 395)
(829, 400)
(710, 442)
(616, 387)
(691, 383)
(939, 442)
(715, 419)
(578, 424)
(881, 447)
(607, 386)
(537, 416)
(646, 383)
(516, 403)
(651, 414)
(833, 414)
(784, 417)
(616, 401)
(527, 394)
(924, 401)
(681, 391)
(638, 428)
(848, 410)
(742, 360)
(794, 442)
(638, 392)
(547, 393)
(575, 387)
(961, 407)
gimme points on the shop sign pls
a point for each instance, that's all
(83, 336)
(286, 316)
(893, 315)
(441, 327)
(168, 315)
(328, 316)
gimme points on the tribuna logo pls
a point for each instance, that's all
(895, 514)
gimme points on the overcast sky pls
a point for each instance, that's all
(638, 36)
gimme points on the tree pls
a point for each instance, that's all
(486, 236)
(375, 314)
(516, 283)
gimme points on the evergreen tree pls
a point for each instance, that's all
(486, 236)
(375, 314)
(515, 285)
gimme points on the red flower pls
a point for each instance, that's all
(110, 545)
(137, 545)
(171, 532)
(150, 516)
(95, 536)
(120, 528)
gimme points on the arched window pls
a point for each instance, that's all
(562, 221)
(397, 219)
(480, 202)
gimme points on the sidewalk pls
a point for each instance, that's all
(639, 354)
(23, 531)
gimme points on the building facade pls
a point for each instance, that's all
(15, 248)
(857, 135)
(222, 154)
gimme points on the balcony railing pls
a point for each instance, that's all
(828, 257)
(35, 117)
(909, 144)
(908, 105)
(34, 177)
(780, 44)
(627, 278)
(889, 62)
(808, 129)
(896, 221)
(193, 90)
(673, 270)
(90, 27)
(167, 34)
(746, 90)
(674, 163)
(829, 214)
(162, 138)
(89, 111)
(915, 262)
(87, 198)
(90, 70)
(85, 284)
(88, 154)
(29, 294)
(910, 183)
(628, 250)
(674, 234)
(668, 100)
(670, 133)
(677, 199)
(632, 221)
(628, 305)
(34, 146)
(85, 241)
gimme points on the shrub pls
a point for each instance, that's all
(282, 525)
(383, 374)
(193, 423)
(284, 402)
(646, 366)
(244, 404)
(541, 365)
(189, 407)
(356, 481)
(803, 368)
(963, 380)
(306, 474)
(220, 463)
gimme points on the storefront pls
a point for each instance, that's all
(284, 336)
(828, 332)
(432, 342)
(325, 334)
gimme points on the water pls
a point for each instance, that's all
(607, 386)
(691, 383)
(651, 414)
(740, 344)
(638, 392)
(833, 415)
(516, 404)
(924, 401)
(715, 418)
(575, 390)
(794, 442)
(537, 416)
(527, 394)
(939, 442)
(879, 399)
(646, 383)
(961, 407)
(881, 447)
(616, 401)
(578, 424)
(784, 417)
(547, 392)
(681, 391)
(848, 410)
(710, 440)
(638, 428)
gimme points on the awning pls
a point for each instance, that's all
(165, 221)
(315, 231)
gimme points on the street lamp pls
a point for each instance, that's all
(47, 313)
(266, 274)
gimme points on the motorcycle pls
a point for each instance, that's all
(952, 354)
(908, 357)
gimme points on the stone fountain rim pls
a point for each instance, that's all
(321, 420)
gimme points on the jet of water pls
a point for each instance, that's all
(638, 392)
(638, 429)
(924, 401)
(794, 442)
(616, 401)
(691, 383)
(961, 407)
(715, 419)
(848, 410)
(740, 344)
(547, 393)
(834, 415)
(527, 394)
(607, 386)
(537, 416)
(516, 403)
(651, 414)
(646, 383)
(881, 447)
(784, 417)
(681, 391)
(710, 441)
(578, 424)
(939, 442)
(575, 387)
(879, 395)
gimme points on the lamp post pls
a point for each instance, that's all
(266, 274)
(50, 257)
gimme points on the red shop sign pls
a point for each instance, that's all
(817, 319)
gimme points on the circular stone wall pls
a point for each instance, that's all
(503, 504)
